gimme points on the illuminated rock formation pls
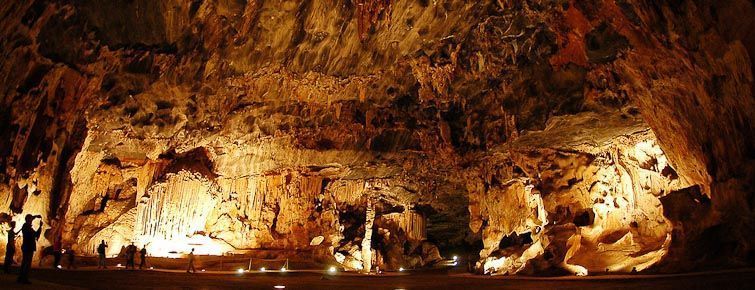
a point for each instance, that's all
(548, 137)
(586, 204)
(174, 212)
(369, 222)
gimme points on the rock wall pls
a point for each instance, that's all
(582, 208)
(577, 136)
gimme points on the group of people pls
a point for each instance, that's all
(131, 251)
(29, 246)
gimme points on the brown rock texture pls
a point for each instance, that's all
(547, 137)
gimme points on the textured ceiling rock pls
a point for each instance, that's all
(571, 136)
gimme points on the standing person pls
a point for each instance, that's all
(29, 246)
(130, 256)
(143, 256)
(10, 248)
(191, 269)
(71, 259)
(57, 253)
(101, 253)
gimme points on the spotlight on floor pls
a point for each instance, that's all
(332, 270)
(263, 269)
(240, 271)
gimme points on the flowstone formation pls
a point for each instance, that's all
(542, 206)
(534, 137)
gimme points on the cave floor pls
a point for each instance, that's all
(124, 279)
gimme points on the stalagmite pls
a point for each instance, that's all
(367, 241)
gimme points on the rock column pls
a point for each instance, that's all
(367, 241)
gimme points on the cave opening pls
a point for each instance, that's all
(515, 240)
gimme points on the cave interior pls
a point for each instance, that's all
(533, 137)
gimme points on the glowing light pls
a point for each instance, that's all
(60, 267)
(456, 258)
(279, 287)
(176, 247)
(151, 268)
(202, 270)
(119, 265)
(240, 270)
(401, 269)
(332, 270)
(263, 269)
(283, 269)
(356, 265)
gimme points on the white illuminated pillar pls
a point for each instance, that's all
(367, 241)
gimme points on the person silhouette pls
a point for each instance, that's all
(29, 246)
(191, 269)
(57, 253)
(10, 248)
(130, 256)
(71, 258)
(101, 254)
(143, 256)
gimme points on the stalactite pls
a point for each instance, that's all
(411, 222)
(369, 13)
(274, 210)
(415, 225)
(174, 211)
(348, 191)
